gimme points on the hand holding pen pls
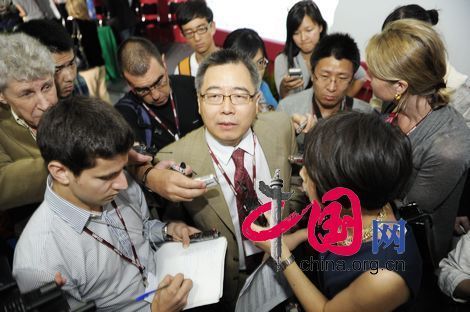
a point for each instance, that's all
(171, 295)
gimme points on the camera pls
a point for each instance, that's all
(47, 298)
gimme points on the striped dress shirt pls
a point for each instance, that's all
(54, 241)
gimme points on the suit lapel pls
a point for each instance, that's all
(201, 162)
(270, 144)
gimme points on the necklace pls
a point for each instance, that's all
(367, 232)
(416, 125)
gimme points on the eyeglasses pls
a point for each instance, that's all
(218, 99)
(262, 63)
(159, 84)
(325, 80)
(200, 30)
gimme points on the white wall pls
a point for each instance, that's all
(363, 18)
(360, 18)
(267, 17)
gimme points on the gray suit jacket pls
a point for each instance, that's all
(277, 139)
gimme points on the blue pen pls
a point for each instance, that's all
(148, 293)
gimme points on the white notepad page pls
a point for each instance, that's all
(202, 262)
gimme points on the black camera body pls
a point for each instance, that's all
(47, 298)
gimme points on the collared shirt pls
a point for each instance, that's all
(23, 123)
(193, 65)
(80, 87)
(224, 156)
(54, 241)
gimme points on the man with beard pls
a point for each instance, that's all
(160, 108)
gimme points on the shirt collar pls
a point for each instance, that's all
(223, 152)
(74, 216)
(23, 123)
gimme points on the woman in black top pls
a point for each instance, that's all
(372, 159)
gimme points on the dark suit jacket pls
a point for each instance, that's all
(277, 139)
(184, 95)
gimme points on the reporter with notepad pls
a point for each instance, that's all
(93, 225)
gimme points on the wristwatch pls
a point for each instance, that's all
(144, 178)
(286, 262)
(165, 235)
(283, 265)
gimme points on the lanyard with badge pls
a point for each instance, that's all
(230, 184)
(177, 135)
(136, 262)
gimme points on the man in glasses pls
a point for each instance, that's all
(160, 108)
(334, 61)
(55, 37)
(240, 148)
(194, 19)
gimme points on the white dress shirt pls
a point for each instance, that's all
(224, 156)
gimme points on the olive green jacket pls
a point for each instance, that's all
(22, 170)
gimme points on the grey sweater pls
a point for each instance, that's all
(441, 158)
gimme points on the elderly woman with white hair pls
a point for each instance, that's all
(27, 90)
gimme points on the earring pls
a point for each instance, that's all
(397, 97)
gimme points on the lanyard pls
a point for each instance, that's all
(160, 122)
(136, 261)
(225, 174)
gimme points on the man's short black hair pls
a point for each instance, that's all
(134, 55)
(191, 9)
(361, 152)
(223, 57)
(50, 33)
(79, 130)
(340, 46)
(246, 41)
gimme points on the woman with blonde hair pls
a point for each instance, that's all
(407, 65)
(85, 34)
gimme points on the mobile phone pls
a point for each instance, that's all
(301, 127)
(295, 72)
(145, 150)
(204, 235)
(296, 159)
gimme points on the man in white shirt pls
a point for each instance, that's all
(240, 148)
